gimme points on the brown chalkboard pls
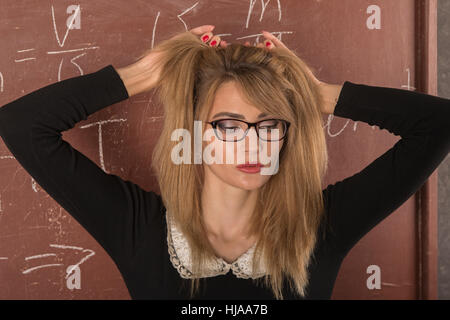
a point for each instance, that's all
(387, 43)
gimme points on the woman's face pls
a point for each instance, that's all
(229, 103)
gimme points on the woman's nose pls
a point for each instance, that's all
(251, 139)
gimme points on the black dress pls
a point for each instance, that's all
(130, 223)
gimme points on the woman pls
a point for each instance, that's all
(245, 235)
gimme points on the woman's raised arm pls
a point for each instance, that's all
(359, 202)
(115, 212)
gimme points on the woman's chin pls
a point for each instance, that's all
(250, 182)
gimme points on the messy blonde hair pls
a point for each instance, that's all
(290, 208)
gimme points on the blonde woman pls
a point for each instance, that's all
(244, 234)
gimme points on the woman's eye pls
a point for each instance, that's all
(269, 125)
(228, 128)
(229, 125)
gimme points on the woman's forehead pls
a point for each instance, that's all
(229, 99)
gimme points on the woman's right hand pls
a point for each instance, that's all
(142, 75)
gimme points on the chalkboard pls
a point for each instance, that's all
(46, 254)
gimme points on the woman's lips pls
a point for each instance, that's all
(250, 168)
(250, 165)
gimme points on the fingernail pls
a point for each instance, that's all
(267, 43)
(205, 38)
(213, 43)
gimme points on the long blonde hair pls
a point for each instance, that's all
(290, 208)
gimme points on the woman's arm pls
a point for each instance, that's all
(137, 77)
(330, 94)
(115, 212)
(358, 203)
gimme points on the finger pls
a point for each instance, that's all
(269, 44)
(223, 44)
(274, 39)
(206, 37)
(260, 45)
(215, 40)
(247, 44)
(202, 29)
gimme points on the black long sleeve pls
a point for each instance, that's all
(129, 221)
(104, 204)
(358, 203)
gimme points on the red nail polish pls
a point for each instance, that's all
(213, 43)
(205, 38)
(267, 44)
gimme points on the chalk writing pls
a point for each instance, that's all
(184, 12)
(100, 144)
(408, 85)
(263, 9)
(73, 271)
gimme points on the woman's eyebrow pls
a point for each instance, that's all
(236, 115)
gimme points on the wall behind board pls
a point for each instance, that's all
(386, 43)
(444, 167)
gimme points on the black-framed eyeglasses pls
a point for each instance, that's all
(233, 130)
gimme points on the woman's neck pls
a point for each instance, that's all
(227, 210)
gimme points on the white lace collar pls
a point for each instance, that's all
(179, 252)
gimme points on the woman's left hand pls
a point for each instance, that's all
(272, 42)
(330, 92)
